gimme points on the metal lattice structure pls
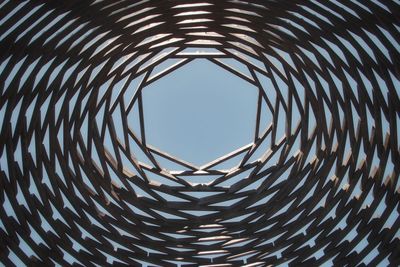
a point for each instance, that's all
(318, 185)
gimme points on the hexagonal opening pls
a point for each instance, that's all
(199, 112)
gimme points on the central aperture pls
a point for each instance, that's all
(199, 112)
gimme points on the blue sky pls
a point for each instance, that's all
(200, 112)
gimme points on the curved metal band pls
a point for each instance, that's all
(319, 184)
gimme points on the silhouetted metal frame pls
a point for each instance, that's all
(74, 187)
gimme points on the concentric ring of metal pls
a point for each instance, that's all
(318, 185)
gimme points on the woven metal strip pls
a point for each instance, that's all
(81, 185)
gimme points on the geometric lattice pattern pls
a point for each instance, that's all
(318, 184)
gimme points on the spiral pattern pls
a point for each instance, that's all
(319, 184)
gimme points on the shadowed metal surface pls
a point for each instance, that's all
(318, 184)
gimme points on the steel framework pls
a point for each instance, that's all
(318, 185)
